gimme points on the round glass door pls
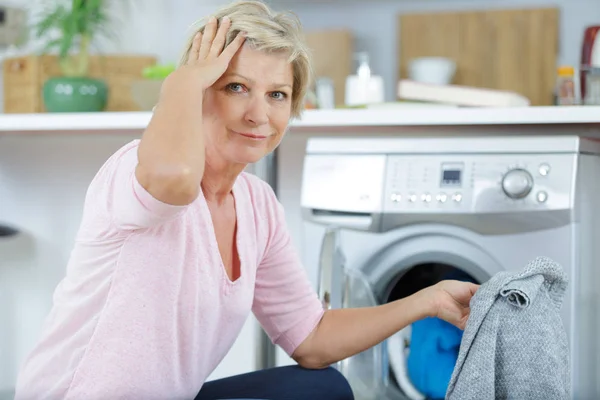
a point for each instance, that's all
(422, 356)
(417, 362)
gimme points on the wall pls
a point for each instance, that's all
(42, 187)
(159, 27)
(375, 30)
(139, 26)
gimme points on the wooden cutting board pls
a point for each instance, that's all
(498, 49)
(332, 52)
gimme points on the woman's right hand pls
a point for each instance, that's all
(209, 58)
(171, 153)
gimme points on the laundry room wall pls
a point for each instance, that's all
(373, 24)
(141, 33)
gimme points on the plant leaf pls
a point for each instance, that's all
(52, 44)
(51, 21)
(69, 30)
(77, 26)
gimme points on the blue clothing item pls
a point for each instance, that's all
(281, 383)
(434, 347)
(433, 353)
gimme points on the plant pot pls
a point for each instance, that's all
(75, 94)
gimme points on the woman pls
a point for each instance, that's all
(178, 245)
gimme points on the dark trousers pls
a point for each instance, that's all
(282, 383)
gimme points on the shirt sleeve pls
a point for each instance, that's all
(285, 303)
(117, 191)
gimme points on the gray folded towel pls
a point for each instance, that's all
(515, 345)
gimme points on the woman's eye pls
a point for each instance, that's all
(278, 95)
(235, 87)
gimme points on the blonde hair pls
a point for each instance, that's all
(267, 31)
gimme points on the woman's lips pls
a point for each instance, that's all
(252, 135)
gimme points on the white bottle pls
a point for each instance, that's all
(325, 93)
(364, 87)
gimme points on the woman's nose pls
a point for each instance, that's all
(257, 112)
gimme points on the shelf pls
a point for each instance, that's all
(74, 122)
(438, 116)
(117, 122)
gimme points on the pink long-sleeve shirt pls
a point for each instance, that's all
(146, 309)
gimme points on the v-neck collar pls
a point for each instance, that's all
(237, 201)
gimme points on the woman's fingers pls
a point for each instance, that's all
(207, 38)
(195, 50)
(210, 44)
(233, 47)
(219, 40)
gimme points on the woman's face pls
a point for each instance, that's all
(246, 112)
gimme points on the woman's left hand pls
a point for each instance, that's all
(451, 301)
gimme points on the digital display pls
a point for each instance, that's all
(452, 174)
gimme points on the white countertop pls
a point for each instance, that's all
(411, 116)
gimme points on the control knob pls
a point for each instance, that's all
(517, 183)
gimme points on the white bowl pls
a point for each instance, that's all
(434, 70)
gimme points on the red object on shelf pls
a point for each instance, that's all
(590, 53)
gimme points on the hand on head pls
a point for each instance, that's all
(209, 52)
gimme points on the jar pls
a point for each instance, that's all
(592, 86)
(325, 93)
(565, 86)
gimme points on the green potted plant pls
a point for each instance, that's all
(70, 30)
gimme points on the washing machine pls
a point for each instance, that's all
(386, 217)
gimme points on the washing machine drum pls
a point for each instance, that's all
(417, 362)
(423, 355)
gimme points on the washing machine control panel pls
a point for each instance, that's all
(479, 183)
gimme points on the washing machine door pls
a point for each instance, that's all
(394, 270)
(331, 266)
(367, 371)
(419, 257)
